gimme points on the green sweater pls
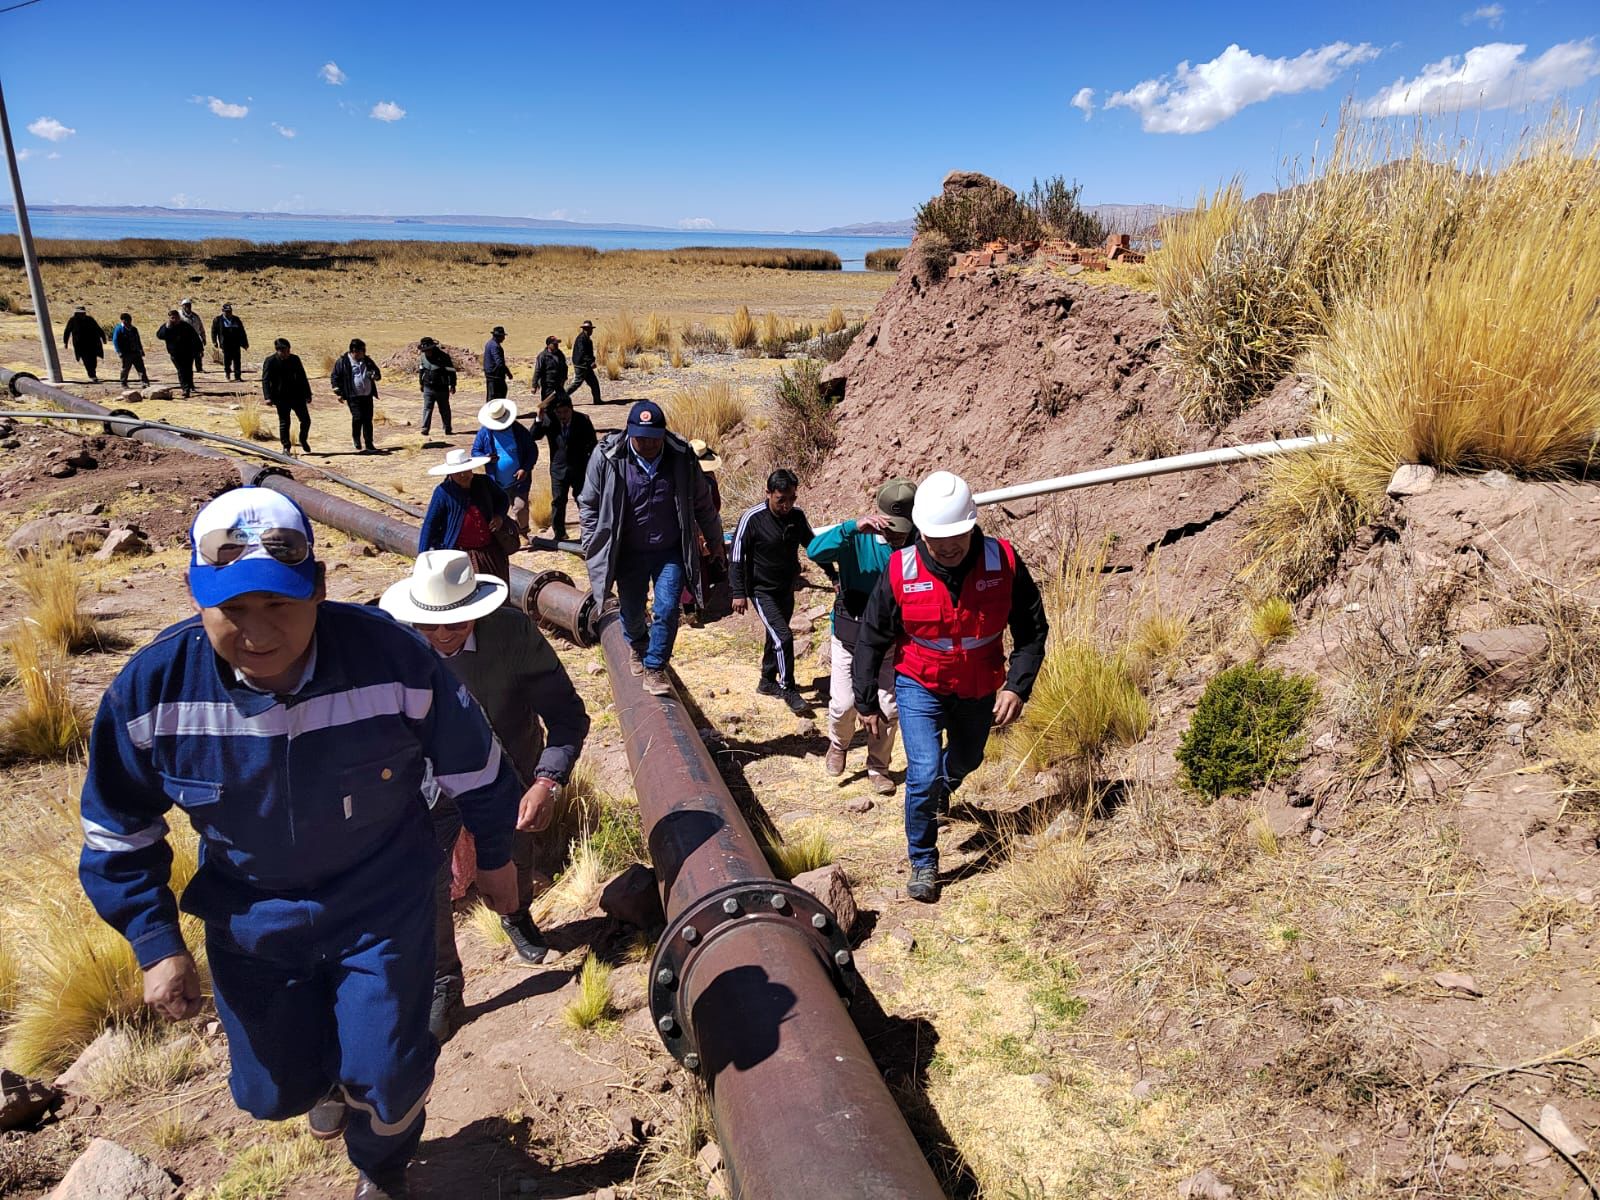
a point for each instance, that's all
(860, 558)
(514, 675)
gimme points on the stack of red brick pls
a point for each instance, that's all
(1118, 248)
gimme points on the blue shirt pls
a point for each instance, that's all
(503, 470)
(303, 794)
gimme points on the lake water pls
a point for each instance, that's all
(851, 250)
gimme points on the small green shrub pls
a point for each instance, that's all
(1246, 730)
(1057, 207)
(972, 216)
(803, 431)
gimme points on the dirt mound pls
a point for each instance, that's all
(405, 359)
(1008, 375)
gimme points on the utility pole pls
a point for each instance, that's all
(30, 260)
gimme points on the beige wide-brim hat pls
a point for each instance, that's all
(708, 458)
(498, 414)
(443, 589)
(458, 460)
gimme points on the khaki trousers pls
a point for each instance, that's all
(842, 708)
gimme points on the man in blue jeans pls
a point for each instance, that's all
(644, 494)
(942, 608)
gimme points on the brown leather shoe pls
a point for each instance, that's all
(833, 762)
(880, 783)
(635, 663)
(657, 683)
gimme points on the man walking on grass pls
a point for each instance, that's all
(87, 339)
(550, 370)
(583, 362)
(436, 375)
(125, 340)
(183, 347)
(497, 651)
(355, 381)
(228, 336)
(859, 550)
(941, 611)
(284, 386)
(193, 320)
(495, 371)
(571, 438)
(643, 498)
(296, 735)
(764, 567)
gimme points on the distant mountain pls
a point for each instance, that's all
(220, 214)
(1118, 218)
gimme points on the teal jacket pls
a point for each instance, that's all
(860, 559)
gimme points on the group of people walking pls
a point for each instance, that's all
(183, 332)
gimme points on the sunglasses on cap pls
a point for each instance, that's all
(220, 547)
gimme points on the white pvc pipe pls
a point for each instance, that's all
(1152, 467)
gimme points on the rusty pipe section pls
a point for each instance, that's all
(745, 981)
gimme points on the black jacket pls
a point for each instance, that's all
(229, 337)
(436, 371)
(569, 456)
(549, 371)
(765, 555)
(283, 380)
(343, 377)
(183, 343)
(87, 338)
(583, 351)
(881, 627)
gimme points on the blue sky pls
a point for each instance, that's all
(750, 116)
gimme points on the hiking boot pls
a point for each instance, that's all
(797, 703)
(656, 682)
(305, 445)
(880, 783)
(448, 1012)
(389, 1186)
(329, 1116)
(635, 663)
(525, 937)
(833, 761)
(768, 687)
(924, 884)
(287, 448)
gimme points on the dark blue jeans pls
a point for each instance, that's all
(944, 737)
(635, 574)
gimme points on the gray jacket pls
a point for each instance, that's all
(603, 502)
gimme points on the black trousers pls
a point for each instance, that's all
(494, 387)
(231, 356)
(777, 652)
(560, 488)
(360, 420)
(134, 362)
(583, 375)
(429, 401)
(299, 409)
(446, 828)
(200, 360)
(91, 364)
(185, 374)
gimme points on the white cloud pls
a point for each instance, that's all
(283, 130)
(1485, 77)
(386, 110)
(1492, 15)
(24, 154)
(697, 223)
(50, 129)
(221, 108)
(53, 155)
(180, 200)
(1194, 99)
(1083, 101)
(330, 73)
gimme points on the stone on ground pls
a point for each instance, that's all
(44, 534)
(106, 1170)
(1508, 658)
(830, 885)
(23, 1101)
(633, 898)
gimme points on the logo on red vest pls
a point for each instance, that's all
(984, 585)
(925, 586)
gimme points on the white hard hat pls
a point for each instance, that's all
(943, 507)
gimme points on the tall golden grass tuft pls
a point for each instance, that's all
(539, 501)
(835, 321)
(657, 333)
(592, 1006)
(625, 334)
(248, 415)
(56, 590)
(611, 363)
(1271, 620)
(708, 411)
(805, 850)
(47, 724)
(741, 329)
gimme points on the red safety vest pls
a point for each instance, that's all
(955, 649)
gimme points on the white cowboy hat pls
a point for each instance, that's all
(709, 462)
(498, 414)
(443, 589)
(458, 460)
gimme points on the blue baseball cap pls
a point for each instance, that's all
(251, 539)
(645, 419)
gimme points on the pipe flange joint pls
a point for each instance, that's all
(17, 379)
(262, 473)
(541, 580)
(717, 914)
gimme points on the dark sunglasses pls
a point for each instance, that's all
(220, 547)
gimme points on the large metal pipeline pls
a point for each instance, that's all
(746, 979)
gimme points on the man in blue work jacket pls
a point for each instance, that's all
(296, 735)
